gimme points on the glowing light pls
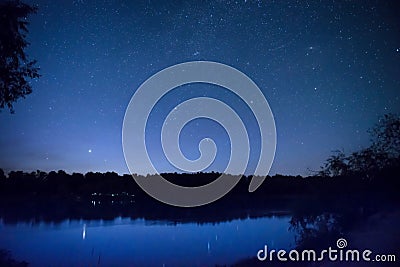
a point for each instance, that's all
(84, 232)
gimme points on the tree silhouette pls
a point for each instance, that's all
(386, 136)
(15, 66)
(383, 153)
(336, 165)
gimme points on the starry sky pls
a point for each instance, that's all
(329, 70)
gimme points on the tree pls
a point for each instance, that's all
(386, 136)
(383, 153)
(336, 165)
(15, 67)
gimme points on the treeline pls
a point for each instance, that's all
(90, 184)
(363, 180)
(373, 169)
(56, 196)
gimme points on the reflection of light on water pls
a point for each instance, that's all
(84, 232)
(191, 239)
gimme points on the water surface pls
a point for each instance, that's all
(128, 242)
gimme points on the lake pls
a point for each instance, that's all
(84, 232)
(139, 242)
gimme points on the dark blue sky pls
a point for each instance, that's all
(328, 71)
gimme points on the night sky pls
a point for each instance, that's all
(328, 69)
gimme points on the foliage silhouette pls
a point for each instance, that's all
(383, 153)
(386, 137)
(15, 66)
(57, 196)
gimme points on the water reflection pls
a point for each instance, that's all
(127, 242)
(215, 235)
(316, 230)
(374, 230)
(84, 231)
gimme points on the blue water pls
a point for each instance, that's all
(126, 242)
